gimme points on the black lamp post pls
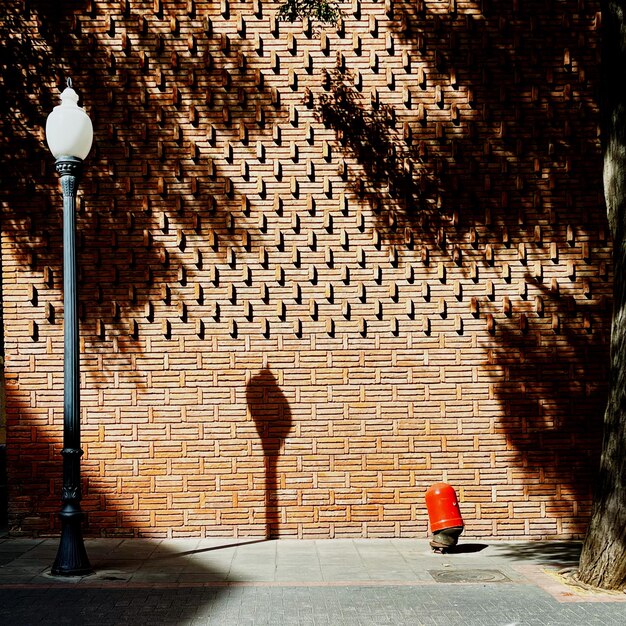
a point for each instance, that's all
(69, 134)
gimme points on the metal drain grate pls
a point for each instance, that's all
(469, 576)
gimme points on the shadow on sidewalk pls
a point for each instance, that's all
(564, 553)
(132, 562)
(225, 546)
(466, 548)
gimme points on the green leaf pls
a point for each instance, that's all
(320, 10)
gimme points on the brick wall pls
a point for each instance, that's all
(320, 268)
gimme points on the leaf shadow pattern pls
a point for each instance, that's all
(501, 158)
(498, 164)
(554, 437)
(391, 164)
(154, 191)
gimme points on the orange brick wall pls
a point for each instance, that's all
(320, 268)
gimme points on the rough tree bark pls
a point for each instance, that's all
(603, 559)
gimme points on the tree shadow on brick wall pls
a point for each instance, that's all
(493, 167)
(485, 166)
(531, 161)
(155, 188)
(551, 385)
(391, 169)
(270, 411)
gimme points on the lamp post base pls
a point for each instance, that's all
(71, 559)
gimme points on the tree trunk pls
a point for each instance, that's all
(603, 559)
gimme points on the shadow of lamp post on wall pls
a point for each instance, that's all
(69, 134)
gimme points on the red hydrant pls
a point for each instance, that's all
(445, 518)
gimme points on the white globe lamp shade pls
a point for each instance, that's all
(69, 131)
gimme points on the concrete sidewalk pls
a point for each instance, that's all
(248, 581)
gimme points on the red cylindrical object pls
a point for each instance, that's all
(443, 507)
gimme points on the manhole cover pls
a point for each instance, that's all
(468, 576)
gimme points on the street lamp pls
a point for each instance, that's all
(69, 134)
